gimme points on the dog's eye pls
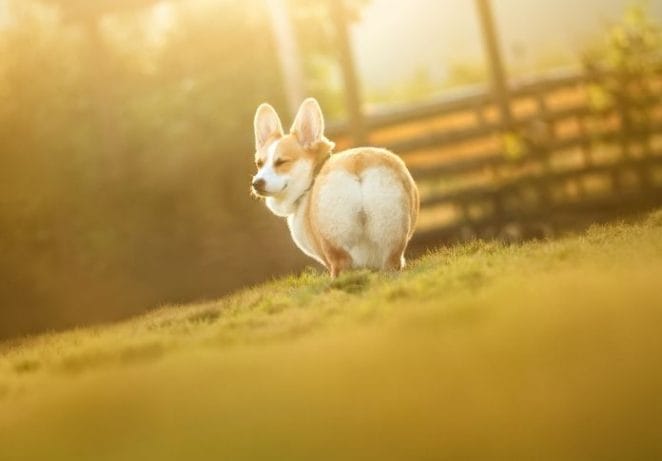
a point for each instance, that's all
(259, 163)
(281, 161)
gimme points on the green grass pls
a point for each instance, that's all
(549, 350)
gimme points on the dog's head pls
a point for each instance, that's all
(286, 163)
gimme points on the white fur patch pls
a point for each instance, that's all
(271, 152)
(365, 215)
(274, 183)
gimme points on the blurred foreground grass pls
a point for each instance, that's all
(548, 350)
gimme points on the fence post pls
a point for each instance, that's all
(497, 71)
(499, 85)
(338, 14)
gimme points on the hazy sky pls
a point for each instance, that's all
(398, 37)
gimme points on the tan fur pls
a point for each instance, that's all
(337, 259)
(261, 153)
(311, 231)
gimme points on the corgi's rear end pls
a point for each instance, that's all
(354, 209)
(364, 207)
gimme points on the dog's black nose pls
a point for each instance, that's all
(258, 185)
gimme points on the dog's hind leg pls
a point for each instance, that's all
(337, 259)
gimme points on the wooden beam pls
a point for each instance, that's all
(492, 46)
(338, 13)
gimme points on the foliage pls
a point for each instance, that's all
(630, 57)
(514, 147)
(466, 73)
(125, 157)
(125, 153)
(318, 42)
(479, 351)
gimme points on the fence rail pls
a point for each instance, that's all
(471, 98)
(520, 161)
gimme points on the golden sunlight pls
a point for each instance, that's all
(330, 230)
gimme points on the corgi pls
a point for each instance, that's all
(348, 210)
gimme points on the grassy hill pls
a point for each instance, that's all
(548, 350)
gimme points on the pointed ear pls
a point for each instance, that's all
(308, 126)
(266, 125)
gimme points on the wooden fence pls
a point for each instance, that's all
(568, 156)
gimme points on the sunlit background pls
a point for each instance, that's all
(126, 132)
